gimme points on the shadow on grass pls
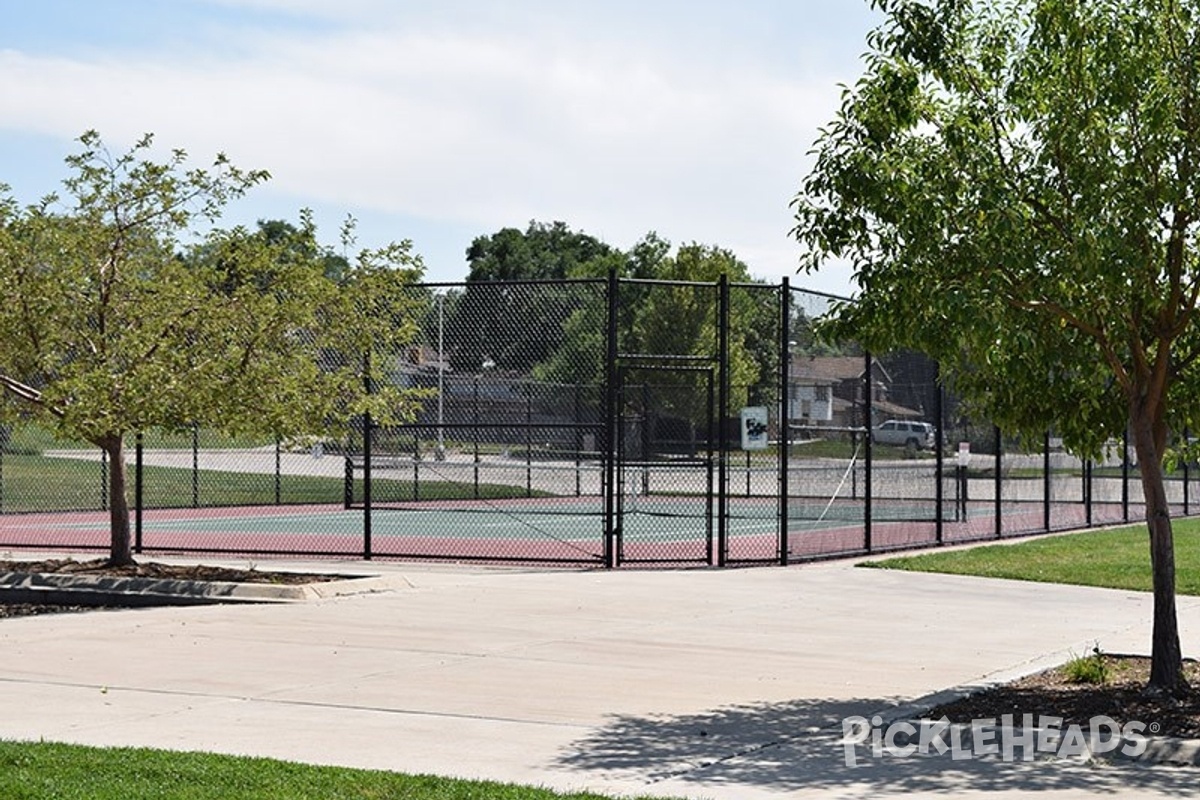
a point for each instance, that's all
(796, 745)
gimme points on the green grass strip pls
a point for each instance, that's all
(46, 771)
(1112, 559)
(41, 484)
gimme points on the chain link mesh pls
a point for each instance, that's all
(602, 422)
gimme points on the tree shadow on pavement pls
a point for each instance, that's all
(798, 745)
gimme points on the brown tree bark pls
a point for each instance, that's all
(1166, 657)
(121, 543)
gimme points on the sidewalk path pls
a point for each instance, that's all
(722, 684)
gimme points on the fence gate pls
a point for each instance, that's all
(666, 434)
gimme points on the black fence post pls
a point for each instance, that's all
(195, 466)
(1186, 476)
(578, 442)
(278, 472)
(368, 435)
(939, 444)
(1125, 475)
(998, 482)
(646, 438)
(785, 366)
(529, 440)
(416, 466)
(1047, 486)
(711, 492)
(868, 413)
(610, 455)
(104, 480)
(138, 494)
(722, 416)
(1087, 491)
(785, 428)
(475, 431)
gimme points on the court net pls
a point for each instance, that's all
(814, 492)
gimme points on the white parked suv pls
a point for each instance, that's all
(903, 433)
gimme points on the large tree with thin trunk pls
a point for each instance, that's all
(120, 314)
(1015, 184)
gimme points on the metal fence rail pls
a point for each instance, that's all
(604, 423)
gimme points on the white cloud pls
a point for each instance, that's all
(480, 129)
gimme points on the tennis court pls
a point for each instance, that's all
(517, 509)
(617, 449)
(520, 510)
(655, 529)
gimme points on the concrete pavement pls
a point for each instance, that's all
(696, 683)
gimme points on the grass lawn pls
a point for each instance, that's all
(37, 483)
(1115, 559)
(45, 771)
(32, 439)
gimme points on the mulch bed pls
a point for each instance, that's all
(150, 569)
(32, 609)
(1121, 698)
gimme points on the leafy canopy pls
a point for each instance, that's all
(1015, 186)
(674, 320)
(120, 316)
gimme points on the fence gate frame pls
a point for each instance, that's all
(625, 462)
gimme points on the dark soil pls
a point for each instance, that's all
(150, 569)
(99, 567)
(30, 609)
(1121, 698)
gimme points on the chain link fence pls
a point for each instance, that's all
(602, 422)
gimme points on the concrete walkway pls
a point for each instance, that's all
(722, 684)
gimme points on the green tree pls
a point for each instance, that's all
(1015, 185)
(513, 326)
(682, 319)
(115, 321)
(543, 251)
(580, 357)
(280, 231)
(675, 316)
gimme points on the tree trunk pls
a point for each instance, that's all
(120, 550)
(1166, 657)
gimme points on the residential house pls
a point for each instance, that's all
(828, 391)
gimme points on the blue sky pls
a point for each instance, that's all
(442, 121)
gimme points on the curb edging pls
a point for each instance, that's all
(99, 590)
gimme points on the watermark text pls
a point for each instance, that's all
(1007, 738)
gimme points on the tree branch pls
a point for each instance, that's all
(1060, 313)
(29, 394)
(167, 330)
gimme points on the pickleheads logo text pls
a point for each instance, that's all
(1009, 738)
